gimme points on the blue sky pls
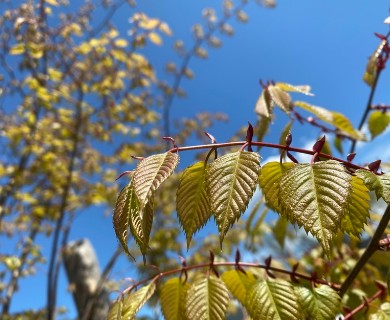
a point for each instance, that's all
(321, 43)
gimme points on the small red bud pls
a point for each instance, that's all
(319, 145)
(351, 156)
(374, 166)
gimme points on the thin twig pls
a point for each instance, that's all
(365, 304)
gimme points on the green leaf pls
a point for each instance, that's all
(338, 144)
(115, 312)
(280, 230)
(192, 201)
(238, 283)
(124, 206)
(273, 300)
(316, 197)
(207, 299)
(305, 89)
(321, 303)
(378, 183)
(261, 128)
(173, 296)
(358, 212)
(151, 172)
(336, 119)
(17, 49)
(269, 178)
(371, 68)
(286, 130)
(264, 104)
(280, 98)
(135, 301)
(383, 312)
(231, 180)
(378, 122)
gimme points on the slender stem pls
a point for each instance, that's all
(365, 304)
(370, 250)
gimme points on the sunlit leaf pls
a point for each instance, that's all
(305, 89)
(115, 312)
(155, 38)
(133, 302)
(192, 201)
(207, 299)
(378, 183)
(316, 197)
(286, 130)
(358, 209)
(231, 180)
(124, 206)
(273, 300)
(336, 119)
(238, 283)
(280, 230)
(382, 313)
(378, 122)
(371, 71)
(17, 49)
(261, 128)
(264, 105)
(269, 178)
(151, 172)
(321, 303)
(280, 98)
(173, 295)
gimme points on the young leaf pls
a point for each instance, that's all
(238, 283)
(273, 300)
(280, 230)
(378, 122)
(379, 184)
(115, 312)
(173, 295)
(141, 224)
(207, 299)
(338, 120)
(231, 180)
(286, 130)
(135, 301)
(269, 178)
(383, 313)
(371, 68)
(316, 197)
(358, 212)
(261, 128)
(192, 201)
(264, 105)
(151, 172)
(124, 206)
(305, 89)
(321, 303)
(280, 98)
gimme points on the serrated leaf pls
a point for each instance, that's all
(207, 299)
(321, 303)
(135, 301)
(383, 313)
(378, 122)
(192, 201)
(305, 89)
(378, 183)
(269, 178)
(141, 222)
(358, 208)
(173, 295)
(280, 230)
(115, 312)
(265, 105)
(124, 206)
(238, 283)
(151, 172)
(335, 119)
(280, 98)
(231, 181)
(273, 300)
(316, 197)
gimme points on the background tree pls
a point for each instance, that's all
(80, 97)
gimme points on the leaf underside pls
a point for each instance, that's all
(280, 98)
(231, 180)
(316, 197)
(273, 300)
(173, 295)
(192, 202)
(238, 283)
(265, 104)
(207, 299)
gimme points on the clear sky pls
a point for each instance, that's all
(321, 43)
